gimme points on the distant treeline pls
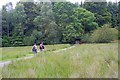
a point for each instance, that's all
(58, 22)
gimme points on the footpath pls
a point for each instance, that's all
(2, 64)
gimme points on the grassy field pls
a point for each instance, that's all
(11, 53)
(82, 61)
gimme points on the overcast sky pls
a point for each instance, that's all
(3, 2)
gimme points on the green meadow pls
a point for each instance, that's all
(11, 53)
(81, 61)
(83, 35)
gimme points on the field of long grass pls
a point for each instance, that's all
(82, 61)
(11, 53)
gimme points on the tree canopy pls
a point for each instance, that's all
(54, 22)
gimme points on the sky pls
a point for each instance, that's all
(3, 2)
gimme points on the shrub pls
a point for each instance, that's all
(85, 38)
(6, 41)
(29, 40)
(104, 34)
(17, 41)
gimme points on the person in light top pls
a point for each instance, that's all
(34, 49)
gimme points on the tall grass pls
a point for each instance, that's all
(95, 61)
(82, 61)
(0, 73)
(0, 54)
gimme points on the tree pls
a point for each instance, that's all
(100, 10)
(86, 18)
(30, 12)
(62, 13)
(0, 28)
(119, 18)
(113, 9)
(73, 21)
(53, 22)
(45, 23)
(83, 22)
(19, 18)
(7, 13)
(4, 22)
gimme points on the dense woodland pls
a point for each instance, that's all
(59, 22)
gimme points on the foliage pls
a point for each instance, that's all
(74, 21)
(104, 34)
(45, 24)
(17, 41)
(63, 12)
(12, 41)
(6, 41)
(53, 22)
(0, 42)
(85, 38)
(113, 9)
(29, 40)
(86, 18)
(102, 15)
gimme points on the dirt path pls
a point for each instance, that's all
(2, 64)
(63, 49)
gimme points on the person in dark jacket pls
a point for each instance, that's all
(41, 46)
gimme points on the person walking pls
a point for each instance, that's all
(41, 46)
(34, 49)
(42, 50)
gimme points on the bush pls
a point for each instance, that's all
(85, 38)
(12, 41)
(6, 41)
(29, 40)
(17, 41)
(104, 34)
